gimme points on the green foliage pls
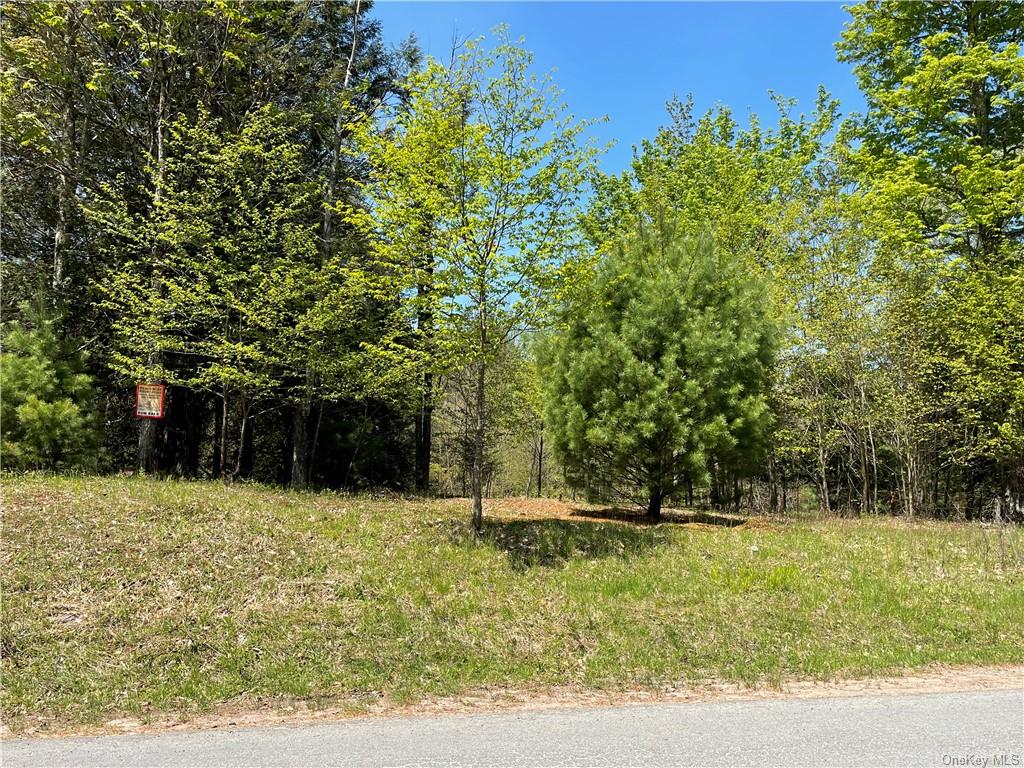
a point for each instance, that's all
(662, 375)
(473, 195)
(254, 203)
(766, 195)
(89, 92)
(208, 278)
(838, 380)
(47, 409)
(744, 184)
(978, 372)
(942, 186)
(224, 287)
(473, 190)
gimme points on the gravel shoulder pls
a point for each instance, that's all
(285, 712)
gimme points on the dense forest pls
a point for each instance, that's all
(354, 266)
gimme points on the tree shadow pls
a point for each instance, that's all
(552, 543)
(673, 516)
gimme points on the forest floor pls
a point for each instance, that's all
(129, 599)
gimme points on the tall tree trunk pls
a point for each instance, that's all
(773, 488)
(945, 492)
(424, 436)
(715, 487)
(300, 441)
(533, 461)
(824, 499)
(60, 232)
(540, 465)
(478, 446)
(867, 447)
(874, 469)
(248, 448)
(301, 452)
(242, 432)
(424, 264)
(224, 434)
(865, 477)
(310, 472)
(970, 493)
(67, 164)
(912, 484)
(1016, 512)
(339, 124)
(218, 426)
(147, 459)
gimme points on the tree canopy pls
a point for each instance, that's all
(315, 240)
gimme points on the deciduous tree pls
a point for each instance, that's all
(474, 190)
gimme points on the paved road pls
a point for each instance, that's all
(905, 730)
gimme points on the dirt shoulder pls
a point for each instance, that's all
(285, 712)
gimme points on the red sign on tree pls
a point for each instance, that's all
(149, 401)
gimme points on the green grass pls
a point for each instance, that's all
(131, 596)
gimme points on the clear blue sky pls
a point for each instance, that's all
(625, 60)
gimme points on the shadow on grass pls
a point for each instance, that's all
(677, 516)
(553, 543)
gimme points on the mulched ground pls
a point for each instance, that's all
(527, 509)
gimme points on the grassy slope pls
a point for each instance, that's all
(134, 596)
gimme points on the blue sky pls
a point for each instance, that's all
(625, 59)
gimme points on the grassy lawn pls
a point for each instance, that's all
(130, 596)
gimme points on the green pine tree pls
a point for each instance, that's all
(659, 377)
(47, 415)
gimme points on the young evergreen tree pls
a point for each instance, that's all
(48, 405)
(661, 374)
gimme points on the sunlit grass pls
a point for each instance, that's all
(131, 596)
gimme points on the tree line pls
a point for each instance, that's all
(355, 266)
